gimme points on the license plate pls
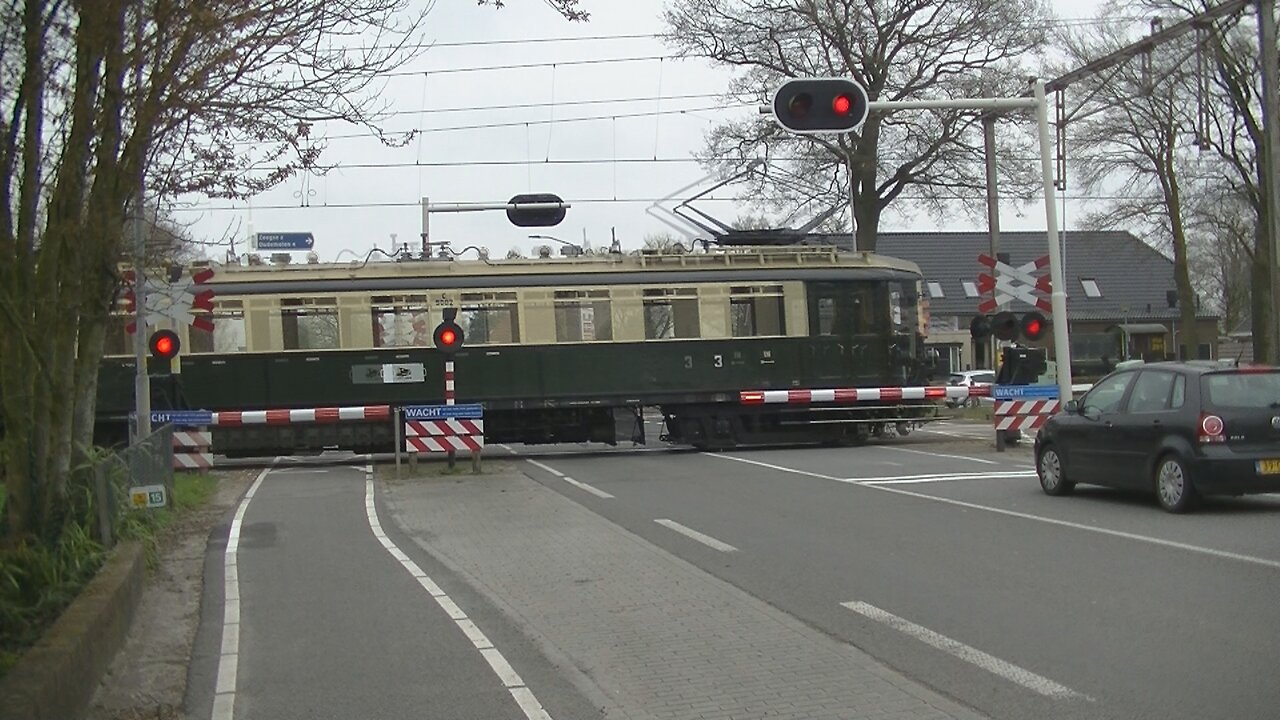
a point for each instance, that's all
(1268, 467)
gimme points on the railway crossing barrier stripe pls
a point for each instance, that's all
(233, 418)
(850, 395)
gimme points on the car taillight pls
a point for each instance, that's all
(1210, 429)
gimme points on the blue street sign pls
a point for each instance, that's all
(1037, 392)
(183, 418)
(285, 241)
(473, 411)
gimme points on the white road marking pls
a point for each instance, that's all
(1227, 555)
(938, 455)
(583, 486)
(523, 696)
(779, 468)
(224, 685)
(945, 478)
(959, 435)
(990, 663)
(507, 448)
(688, 532)
(548, 468)
(880, 483)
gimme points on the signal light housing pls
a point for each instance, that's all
(811, 106)
(164, 345)
(1033, 326)
(535, 217)
(448, 337)
(1005, 326)
(980, 327)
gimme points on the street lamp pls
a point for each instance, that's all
(573, 249)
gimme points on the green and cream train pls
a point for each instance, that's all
(556, 349)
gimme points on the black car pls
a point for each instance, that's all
(1180, 429)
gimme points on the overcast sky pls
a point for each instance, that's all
(355, 208)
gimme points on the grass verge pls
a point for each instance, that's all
(38, 582)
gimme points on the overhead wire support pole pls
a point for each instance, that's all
(1058, 296)
(1271, 164)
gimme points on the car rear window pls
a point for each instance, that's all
(1241, 389)
(955, 380)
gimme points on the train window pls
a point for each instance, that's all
(401, 321)
(489, 318)
(583, 315)
(670, 313)
(228, 334)
(309, 324)
(756, 311)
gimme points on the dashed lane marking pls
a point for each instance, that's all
(510, 679)
(990, 663)
(548, 468)
(583, 486)
(692, 534)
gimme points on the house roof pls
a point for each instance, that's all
(1131, 277)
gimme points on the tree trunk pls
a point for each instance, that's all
(1181, 263)
(1260, 298)
(866, 200)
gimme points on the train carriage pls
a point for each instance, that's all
(556, 349)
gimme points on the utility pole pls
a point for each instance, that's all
(141, 380)
(1271, 142)
(993, 210)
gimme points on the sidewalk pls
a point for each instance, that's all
(651, 634)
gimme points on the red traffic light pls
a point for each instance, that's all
(820, 105)
(164, 344)
(448, 336)
(1033, 326)
(841, 104)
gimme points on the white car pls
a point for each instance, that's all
(970, 378)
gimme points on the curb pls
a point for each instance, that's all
(56, 679)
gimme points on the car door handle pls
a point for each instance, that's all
(1109, 424)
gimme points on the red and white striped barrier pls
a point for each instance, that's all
(1023, 414)
(443, 435)
(191, 450)
(851, 395)
(234, 418)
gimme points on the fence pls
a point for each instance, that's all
(146, 463)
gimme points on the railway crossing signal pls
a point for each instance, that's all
(812, 106)
(164, 346)
(448, 336)
(1008, 326)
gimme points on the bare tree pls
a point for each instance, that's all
(897, 49)
(1139, 126)
(183, 93)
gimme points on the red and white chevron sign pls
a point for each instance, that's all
(1008, 283)
(175, 300)
(1023, 414)
(443, 435)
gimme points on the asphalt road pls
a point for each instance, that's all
(332, 624)
(944, 560)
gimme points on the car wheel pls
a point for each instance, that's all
(1053, 479)
(1174, 489)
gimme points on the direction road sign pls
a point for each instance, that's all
(284, 241)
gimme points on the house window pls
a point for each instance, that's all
(670, 313)
(756, 311)
(1090, 287)
(583, 316)
(970, 289)
(935, 290)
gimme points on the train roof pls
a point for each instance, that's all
(746, 264)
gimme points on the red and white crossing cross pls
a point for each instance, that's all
(1007, 283)
(175, 300)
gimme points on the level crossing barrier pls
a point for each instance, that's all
(852, 395)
